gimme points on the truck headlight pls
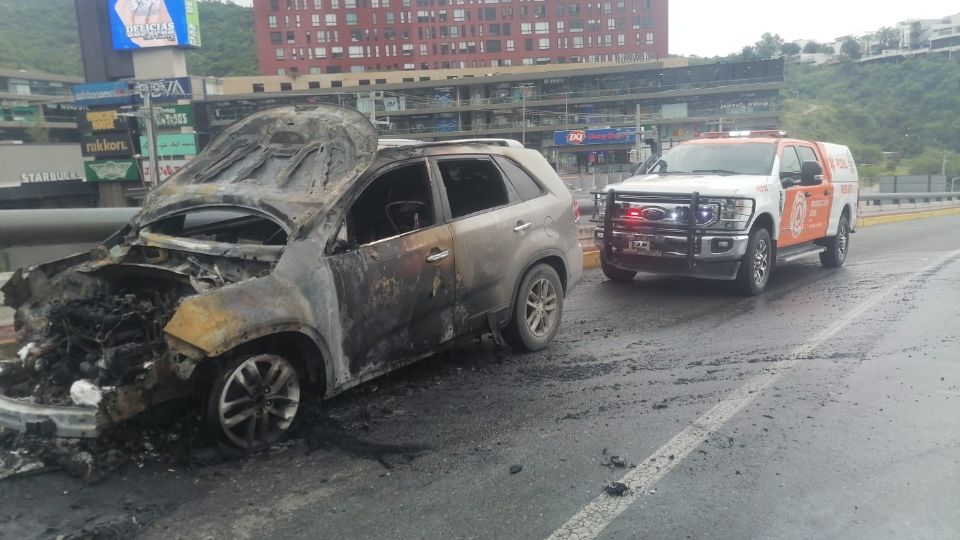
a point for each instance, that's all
(733, 213)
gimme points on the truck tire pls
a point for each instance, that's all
(756, 264)
(616, 274)
(836, 252)
(537, 310)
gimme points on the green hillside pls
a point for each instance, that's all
(42, 35)
(911, 107)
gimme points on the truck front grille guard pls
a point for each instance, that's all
(610, 203)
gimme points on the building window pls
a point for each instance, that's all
(320, 52)
(577, 42)
(331, 19)
(560, 27)
(257, 87)
(492, 45)
(526, 28)
(576, 25)
(356, 51)
(649, 38)
(648, 22)
(390, 17)
(459, 15)
(313, 85)
(621, 40)
(336, 84)
(272, 21)
(542, 27)
(315, 19)
(291, 38)
(336, 52)
(364, 82)
(510, 45)
(276, 37)
(528, 44)
(286, 87)
(315, 71)
(350, 4)
(351, 19)
(281, 72)
(274, 6)
(544, 43)
(278, 53)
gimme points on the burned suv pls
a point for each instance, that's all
(296, 253)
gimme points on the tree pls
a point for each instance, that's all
(38, 132)
(850, 48)
(887, 38)
(748, 53)
(769, 45)
(827, 49)
(811, 47)
(790, 49)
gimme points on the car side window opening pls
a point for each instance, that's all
(807, 154)
(472, 185)
(523, 183)
(397, 202)
(789, 163)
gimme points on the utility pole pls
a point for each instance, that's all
(566, 109)
(638, 144)
(151, 136)
(943, 167)
(373, 107)
(523, 115)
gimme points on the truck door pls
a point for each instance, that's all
(805, 208)
(819, 199)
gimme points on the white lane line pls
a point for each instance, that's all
(599, 513)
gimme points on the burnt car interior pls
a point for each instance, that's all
(472, 185)
(396, 202)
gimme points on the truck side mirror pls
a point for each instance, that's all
(811, 174)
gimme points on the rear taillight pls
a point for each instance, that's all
(576, 211)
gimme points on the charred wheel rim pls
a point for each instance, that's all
(761, 262)
(843, 237)
(543, 306)
(259, 401)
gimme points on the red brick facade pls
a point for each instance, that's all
(339, 36)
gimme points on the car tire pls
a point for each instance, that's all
(537, 310)
(836, 253)
(617, 274)
(757, 262)
(254, 401)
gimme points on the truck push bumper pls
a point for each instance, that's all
(714, 269)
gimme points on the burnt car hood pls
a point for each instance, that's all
(288, 162)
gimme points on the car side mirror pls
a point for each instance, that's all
(811, 174)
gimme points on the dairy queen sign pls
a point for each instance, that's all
(578, 137)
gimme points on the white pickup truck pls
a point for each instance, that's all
(730, 206)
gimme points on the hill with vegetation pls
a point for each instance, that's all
(911, 107)
(42, 36)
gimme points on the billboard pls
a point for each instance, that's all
(166, 166)
(97, 94)
(143, 24)
(578, 137)
(174, 144)
(105, 144)
(170, 117)
(93, 121)
(111, 170)
(164, 90)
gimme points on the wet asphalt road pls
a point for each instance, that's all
(857, 434)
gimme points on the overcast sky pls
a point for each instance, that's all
(719, 27)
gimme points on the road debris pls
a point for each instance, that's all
(616, 489)
(514, 469)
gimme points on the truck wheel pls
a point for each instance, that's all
(254, 401)
(836, 252)
(537, 310)
(756, 264)
(617, 274)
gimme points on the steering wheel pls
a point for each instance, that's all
(405, 207)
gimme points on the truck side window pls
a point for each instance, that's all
(807, 154)
(472, 185)
(789, 163)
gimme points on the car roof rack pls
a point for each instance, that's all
(397, 143)
(756, 133)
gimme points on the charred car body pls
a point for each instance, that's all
(295, 254)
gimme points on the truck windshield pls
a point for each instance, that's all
(745, 158)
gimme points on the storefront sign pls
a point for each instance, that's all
(111, 170)
(174, 144)
(166, 166)
(106, 144)
(49, 176)
(170, 116)
(164, 90)
(93, 121)
(94, 95)
(579, 137)
(141, 24)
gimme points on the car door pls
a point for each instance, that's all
(394, 265)
(796, 224)
(489, 228)
(819, 198)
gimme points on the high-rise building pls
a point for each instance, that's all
(341, 36)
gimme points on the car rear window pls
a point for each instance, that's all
(526, 186)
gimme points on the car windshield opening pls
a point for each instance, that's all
(226, 225)
(720, 159)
